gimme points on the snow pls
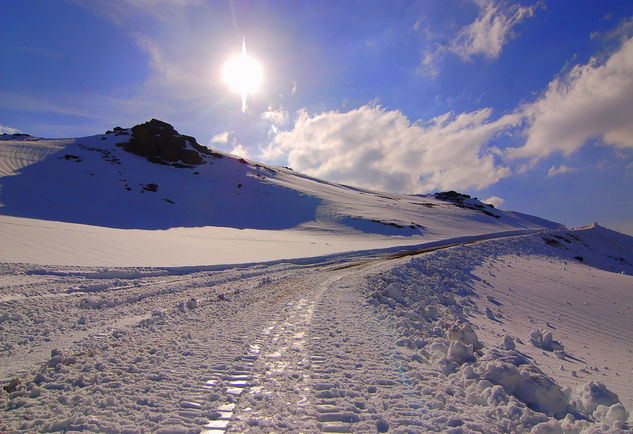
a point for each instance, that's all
(324, 309)
(226, 211)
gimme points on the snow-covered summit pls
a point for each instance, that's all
(152, 177)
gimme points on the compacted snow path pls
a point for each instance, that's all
(323, 362)
(394, 344)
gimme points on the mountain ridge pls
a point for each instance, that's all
(190, 185)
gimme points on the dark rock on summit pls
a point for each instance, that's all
(160, 143)
(452, 196)
(458, 199)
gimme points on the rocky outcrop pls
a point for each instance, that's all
(465, 201)
(160, 143)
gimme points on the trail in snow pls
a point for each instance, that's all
(401, 345)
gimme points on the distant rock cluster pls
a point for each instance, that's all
(465, 201)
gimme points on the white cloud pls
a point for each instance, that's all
(490, 31)
(222, 138)
(8, 130)
(276, 117)
(383, 150)
(553, 171)
(592, 101)
(494, 200)
(239, 150)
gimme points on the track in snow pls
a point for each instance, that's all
(278, 347)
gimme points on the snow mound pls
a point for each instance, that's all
(543, 339)
(523, 380)
(464, 334)
(593, 394)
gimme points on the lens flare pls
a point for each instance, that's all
(243, 74)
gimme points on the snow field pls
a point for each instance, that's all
(582, 328)
(400, 345)
(529, 332)
(503, 291)
(16, 154)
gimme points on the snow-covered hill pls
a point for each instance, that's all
(134, 297)
(76, 193)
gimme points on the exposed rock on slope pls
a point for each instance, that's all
(161, 143)
(465, 201)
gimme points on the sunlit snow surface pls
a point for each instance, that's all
(85, 201)
(144, 329)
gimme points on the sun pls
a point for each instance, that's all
(243, 74)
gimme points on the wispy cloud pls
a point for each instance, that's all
(39, 103)
(622, 32)
(184, 59)
(183, 44)
(553, 171)
(239, 150)
(486, 36)
(125, 11)
(490, 31)
(381, 149)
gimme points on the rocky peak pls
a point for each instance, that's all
(160, 143)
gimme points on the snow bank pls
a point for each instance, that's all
(523, 380)
(431, 299)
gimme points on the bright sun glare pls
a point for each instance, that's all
(243, 74)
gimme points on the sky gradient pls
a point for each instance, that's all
(528, 105)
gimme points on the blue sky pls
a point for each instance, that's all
(527, 104)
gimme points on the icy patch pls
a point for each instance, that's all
(217, 424)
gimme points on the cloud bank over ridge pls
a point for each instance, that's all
(373, 147)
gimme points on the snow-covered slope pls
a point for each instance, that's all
(374, 312)
(69, 195)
